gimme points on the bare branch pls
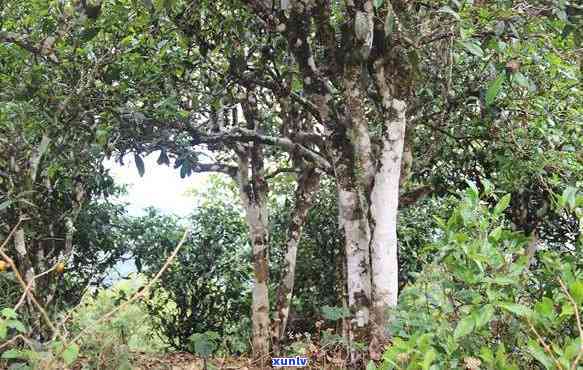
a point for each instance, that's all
(280, 171)
(216, 167)
(286, 144)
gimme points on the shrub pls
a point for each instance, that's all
(109, 343)
(207, 287)
(479, 304)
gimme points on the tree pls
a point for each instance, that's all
(52, 140)
(356, 76)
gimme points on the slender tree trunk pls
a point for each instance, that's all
(254, 190)
(357, 238)
(254, 202)
(355, 172)
(308, 184)
(27, 271)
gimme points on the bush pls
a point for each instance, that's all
(109, 344)
(207, 287)
(480, 305)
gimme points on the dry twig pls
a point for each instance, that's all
(578, 320)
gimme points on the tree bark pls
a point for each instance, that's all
(308, 184)
(253, 190)
(254, 201)
(353, 221)
(384, 208)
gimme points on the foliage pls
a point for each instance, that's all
(99, 243)
(204, 344)
(111, 342)
(110, 345)
(207, 287)
(9, 323)
(479, 302)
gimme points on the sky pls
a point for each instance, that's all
(161, 187)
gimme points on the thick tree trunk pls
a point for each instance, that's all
(383, 213)
(308, 184)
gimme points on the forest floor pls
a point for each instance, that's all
(175, 361)
(187, 361)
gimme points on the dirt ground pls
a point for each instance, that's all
(187, 361)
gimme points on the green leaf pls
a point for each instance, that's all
(521, 80)
(484, 316)
(567, 310)
(297, 85)
(12, 354)
(9, 313)
(539, 354)
(494, 88)
(545, 308)
(472, 191)
(428, 359)
(572, 349)
(3, 329)
(101, 136)
(184, 170)
(502, 205)
(15, 324)
(71, 353)
(569, 197)
(473, 46)
(517, 309)
(163, 158)
(464, 327)
(139, 164)
(487, 355)
(496, 233)
(378, 3)
(503, 280)
(501, 357)
(371, 366)
(576, 290)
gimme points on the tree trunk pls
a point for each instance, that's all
(255, 203)
(27, 271)
(253, 190)
(308, 184)
(383, 213)
(357, 238)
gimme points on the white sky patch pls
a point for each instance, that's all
(161, 187)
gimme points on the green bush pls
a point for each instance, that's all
(207, 287)
(480, 304)
(109, 343)
(106, 344)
